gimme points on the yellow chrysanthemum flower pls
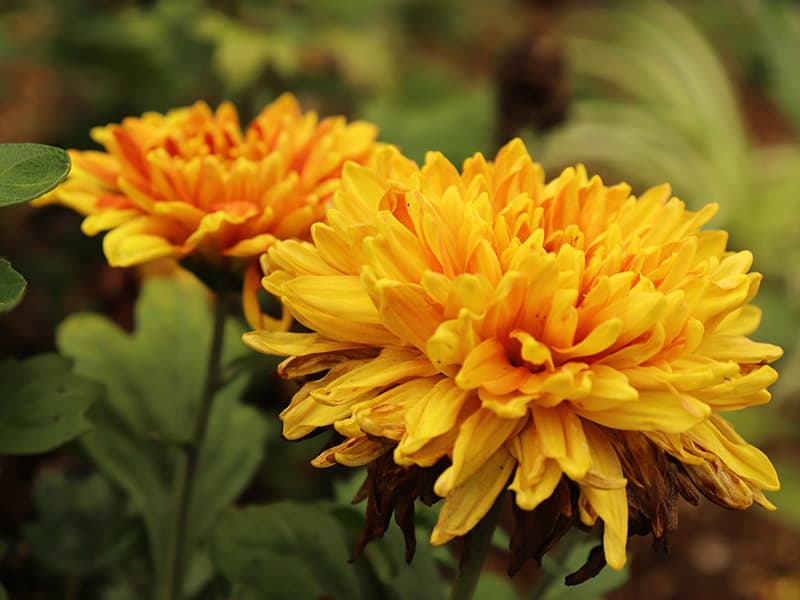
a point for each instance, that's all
(190, 182)
(562, 339)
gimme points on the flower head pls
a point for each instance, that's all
(565, 340)
(191, 183)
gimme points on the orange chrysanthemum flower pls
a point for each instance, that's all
(191, 183)
(563, 339)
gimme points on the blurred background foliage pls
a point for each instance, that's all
(705, 95)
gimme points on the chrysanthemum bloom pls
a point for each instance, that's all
(564, 340)
(191, 183)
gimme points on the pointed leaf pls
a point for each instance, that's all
(154, 378)
(284, 551)
(42, 404)
(12, 286)
(29, 170)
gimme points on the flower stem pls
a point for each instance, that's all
(188, 469)
(480, 541)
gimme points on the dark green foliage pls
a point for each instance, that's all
(82, 525)
(297, 550)
(154, 379)
(42, 404)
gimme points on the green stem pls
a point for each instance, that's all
(480, 541)
(188, 469)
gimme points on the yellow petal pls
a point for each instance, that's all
(670, 412)
(739, 349)
(453, 341)
(747, 461)
(530, 495)
(513, 405)
(610, 505)
(304, 414)
(390, 367)
(532, 350)
(251, 246)
(432, 415)
(337, 307)
(561, 438)
(406, 311)
(600, 338)
(742, 321)
(353, 452)
(562, 319)
(107, 219)
(138, 241)
(282, 343)
(478, 439)
(467, 503)
(536, 476)
(610, 388)
(488, 366)
(740, 392)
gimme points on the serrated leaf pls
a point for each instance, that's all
(241, 431)
(42, 404)
(12, 286)
(29, 170)
(154, 379)
(81, 526)
(284, 551)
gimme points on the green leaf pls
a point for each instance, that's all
(385, 557)
(29, 170)
(82, 527)
(284, 551)
(154, 379)
(419, 580)
(42, 404)
(12, 286)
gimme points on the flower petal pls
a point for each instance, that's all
(467, 503)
